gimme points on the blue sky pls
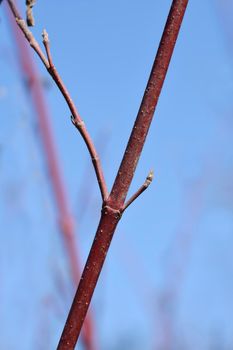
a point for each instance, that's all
(104, 51)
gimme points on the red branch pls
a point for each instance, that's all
(148, 104)
(114, 204)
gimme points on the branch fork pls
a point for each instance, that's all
(31, 39)
(114, 204)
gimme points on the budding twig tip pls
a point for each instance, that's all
(45, 36)
(150, 176)
(146, 184)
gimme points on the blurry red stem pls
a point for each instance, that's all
(66, 222)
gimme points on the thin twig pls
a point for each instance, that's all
(141, 189)
(47, 47)
(31, 39)
(77, 121)
(14, 9)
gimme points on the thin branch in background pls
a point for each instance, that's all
(65, 218)
(113, 204)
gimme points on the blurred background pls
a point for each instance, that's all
(167, 283)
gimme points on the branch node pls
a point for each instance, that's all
(146, 184)
(78, 123)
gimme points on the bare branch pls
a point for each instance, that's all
(29, 36)
(146, 184)
(14, 9)
(31, 39)
(57, 79)
(149, 102)
(112, 209)
(47, 47)
(114, 203)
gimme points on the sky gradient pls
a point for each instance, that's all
(178, 235)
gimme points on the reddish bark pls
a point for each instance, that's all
(114, 204)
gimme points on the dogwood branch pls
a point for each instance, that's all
(76, 119)
(114, 205)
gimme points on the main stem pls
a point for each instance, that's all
(149, 102)
(113, 206)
